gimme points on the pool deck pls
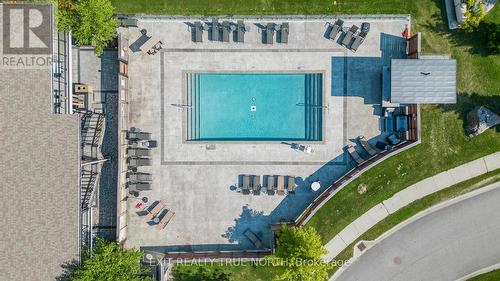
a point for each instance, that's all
(194, 179)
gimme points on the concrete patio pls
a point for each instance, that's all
(196, 179)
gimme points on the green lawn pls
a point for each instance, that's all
(262, 7)
(490, 276)
(444, 144)
(242, 272)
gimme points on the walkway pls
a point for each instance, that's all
(447, 242)
(406, 196)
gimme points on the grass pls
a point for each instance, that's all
(261, 7)
(242, 272)
(418, 206)
(444, 144)
(490, 276)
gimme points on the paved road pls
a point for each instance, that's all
(444, 245)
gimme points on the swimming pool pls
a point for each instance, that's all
(254, 106)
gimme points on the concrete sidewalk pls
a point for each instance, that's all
(406, 196)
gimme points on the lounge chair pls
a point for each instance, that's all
(255, 185)
(245, 186)
(389, 124)
(268, 34)
(140, 177)
(367, 146)
(253, 238)
(155, 210)
(333, 30)
(215, 30)
(355, 155)
(240, 31)
(138, 186)
(357, 41)
(138, 152)
(226, 30)
(137, 162)
(270, 184)
(291, 186)
(165, 220)
(348, 36)
(284, 32)
(401, 123)
(197, 32)
(138, 135)
(280, 187)
(393, 139)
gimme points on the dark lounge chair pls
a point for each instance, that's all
(137, 162)
(154, 211)
(253, 238)
(139, 177)
(358, 40)
(270, 184)
(240, 31)
(349, 35)
(268, 34)
(138, 186)
(291, 186)
(354, 154)
(165, 220)
(333, 30)
(215, 31)
(138, 136)
(245, 185)
(226, 30)
(284, 32)
(255, 184)
(197, 32)
(367, 146)
(138, 152)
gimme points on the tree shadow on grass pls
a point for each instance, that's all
(484, 40)
(468, 101)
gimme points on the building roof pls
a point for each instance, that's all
(39, 174)
(418, 81)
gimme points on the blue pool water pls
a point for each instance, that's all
(254, 106)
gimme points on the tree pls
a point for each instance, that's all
(91, 22)
(108, 262)
(300, 250)
(473, 15)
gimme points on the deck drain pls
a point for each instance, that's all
(397, 260)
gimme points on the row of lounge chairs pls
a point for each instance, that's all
(139, 181)
(352, 40)
(366, 146)
(157, 213)
(268, 33)
(271, 184)
(219, 32)
(222, 32)
(139, 157)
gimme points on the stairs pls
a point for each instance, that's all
(193, 111)
(314, 106)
